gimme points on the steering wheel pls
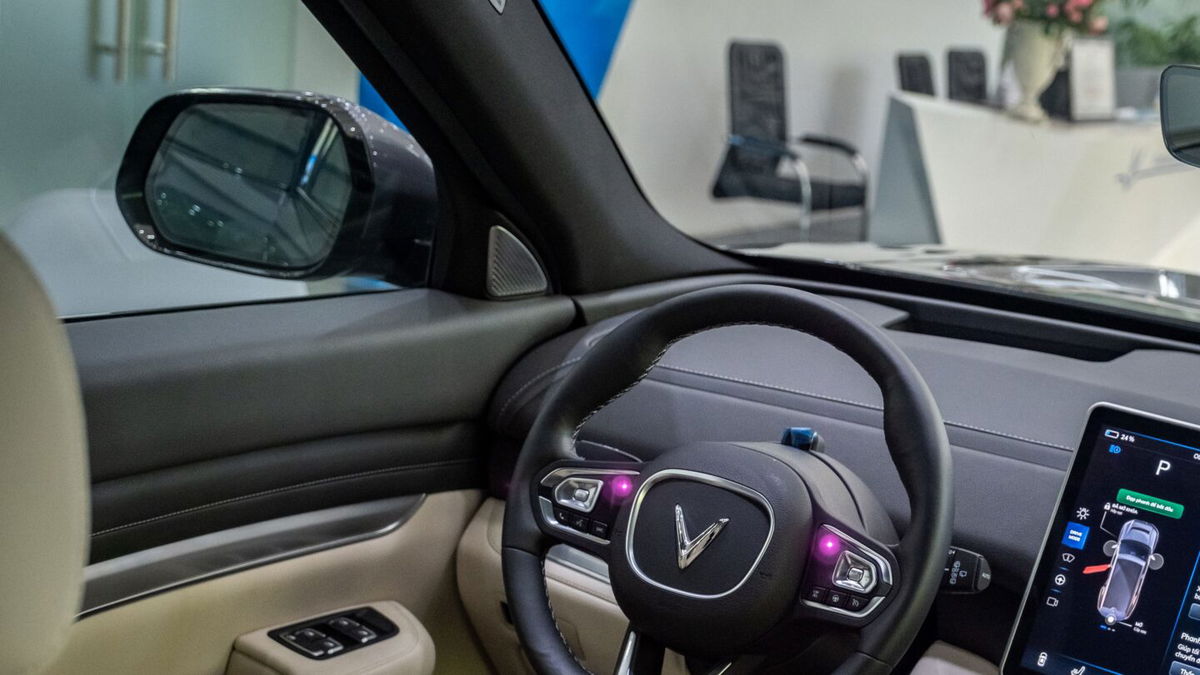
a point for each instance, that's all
(731, 553)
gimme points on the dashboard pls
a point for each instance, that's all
(1014, 392)
(1117, 585)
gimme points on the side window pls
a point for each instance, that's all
(80, 77)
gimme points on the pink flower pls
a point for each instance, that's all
(1074, 16)
(1004, 14)
(1099, 24)
(1052, 11)
(1018, 4)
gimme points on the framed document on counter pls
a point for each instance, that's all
(1093, 79)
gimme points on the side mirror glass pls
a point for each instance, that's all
(1180, 87)
(283, 185)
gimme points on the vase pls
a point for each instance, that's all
(1036, 56)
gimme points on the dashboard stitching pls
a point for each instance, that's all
(500, 416)
(859, 404)
(653, 363)
(536, 378)
(263, 493)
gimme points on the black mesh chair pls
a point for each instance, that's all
(759, 144)
(916, 73)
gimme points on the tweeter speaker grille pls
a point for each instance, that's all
(512, 269)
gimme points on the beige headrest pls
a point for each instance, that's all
(43, 474)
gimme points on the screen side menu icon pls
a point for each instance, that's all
(1076, 535)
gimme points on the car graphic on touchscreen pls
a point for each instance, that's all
(1132, 556)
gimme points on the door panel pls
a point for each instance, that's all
(209, 419)
(191, 629)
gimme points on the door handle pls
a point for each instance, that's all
(166, 48)
(118, 47)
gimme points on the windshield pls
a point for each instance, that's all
(1013, 144)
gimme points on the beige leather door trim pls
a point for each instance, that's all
(192, 629)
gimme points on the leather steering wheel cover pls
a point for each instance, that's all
(913, 430)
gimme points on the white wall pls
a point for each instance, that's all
(665, 93)
(318, 63)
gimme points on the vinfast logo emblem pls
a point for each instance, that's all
(688, 548)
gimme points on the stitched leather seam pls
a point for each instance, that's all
(536, 378)
(554, 621)
(286, 488)
(654, 362)
(765, 385)
(617, 450)
(591, 342)
(859, 404)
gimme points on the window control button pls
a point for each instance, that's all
(362, 634)
(333, 635)
(309, 647)
(344, 623)
(330, 645)
(309, 634)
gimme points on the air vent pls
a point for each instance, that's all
(512, 269)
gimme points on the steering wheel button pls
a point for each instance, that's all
(854, 572)
(855, 603)
(816, 594)
(836, 598)
(562, 515)
(578, 493)
(599, 529)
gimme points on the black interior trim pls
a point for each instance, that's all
(163, 391)
(529, 139)
(215, 418)
(144, 573)
(158, 507)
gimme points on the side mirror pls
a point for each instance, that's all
(1180, 91)
(285, 185)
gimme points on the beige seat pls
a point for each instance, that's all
(43, 474)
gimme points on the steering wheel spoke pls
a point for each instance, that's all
(577, 501)
(713, 547)
(639, 655)
(850, 575)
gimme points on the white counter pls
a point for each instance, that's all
(971, 177)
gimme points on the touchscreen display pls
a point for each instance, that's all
(1117, 586)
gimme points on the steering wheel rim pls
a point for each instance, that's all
(913, 430)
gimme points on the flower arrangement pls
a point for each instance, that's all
(1055, 15)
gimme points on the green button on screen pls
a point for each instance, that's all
(1148, 503)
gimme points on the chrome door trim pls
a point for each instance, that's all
(112, 583)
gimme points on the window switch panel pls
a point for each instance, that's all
(335, 634)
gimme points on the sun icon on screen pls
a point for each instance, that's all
(1082, 513)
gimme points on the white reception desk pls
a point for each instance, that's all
(970, 177)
